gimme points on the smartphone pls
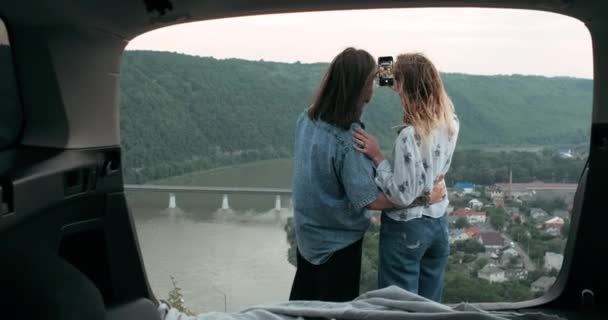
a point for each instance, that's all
(385, 71)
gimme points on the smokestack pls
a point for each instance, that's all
(510, 183)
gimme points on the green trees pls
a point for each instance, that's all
(291, 240)
(519, 233)
(549, 204)
(504, 109)
(470, 246)
(462, 223)
(498, 218)
(487, 168)
(369, 260)
(182, 113)
(539, 247)
(461, 287)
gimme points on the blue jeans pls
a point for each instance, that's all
(414, 254)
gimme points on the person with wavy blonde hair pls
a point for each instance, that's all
(424, 99)
(414, 244)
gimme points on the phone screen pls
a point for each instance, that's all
(385, 71)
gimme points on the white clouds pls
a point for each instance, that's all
(482, 41)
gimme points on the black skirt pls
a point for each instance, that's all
(336, 280)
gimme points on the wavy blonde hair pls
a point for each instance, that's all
(423, 96)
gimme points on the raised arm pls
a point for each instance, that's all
(403, 183)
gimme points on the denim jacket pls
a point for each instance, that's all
(333, 184)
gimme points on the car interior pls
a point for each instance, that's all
(68, 245)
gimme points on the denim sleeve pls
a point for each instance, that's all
(357, 175)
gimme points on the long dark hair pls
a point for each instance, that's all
(343, 90)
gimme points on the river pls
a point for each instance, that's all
(221, 259)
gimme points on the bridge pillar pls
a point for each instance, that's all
(225, 205)
(172, 201)
(277, 203)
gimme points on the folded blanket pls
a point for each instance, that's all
(390, 303)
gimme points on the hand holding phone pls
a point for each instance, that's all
(385, 71)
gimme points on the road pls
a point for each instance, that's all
(528, 264)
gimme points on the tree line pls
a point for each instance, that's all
(181, 113)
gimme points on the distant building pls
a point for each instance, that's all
(512, 210)
(452, 219)
(457, 235)
(475, 204)
(466, 187)
(492, 240)
(516, 274)
(554, 226)
(554, 232)
(496, 193)
(455, 195)
(492, 273)
(477, 217)
(472, 216)
(529, 189)
(554, 222)
(473, 232)
(553, 261)
(538, 213)
(543, 284)
(565, 153)
(510, 253)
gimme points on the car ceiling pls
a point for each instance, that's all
(129, 18)
(74, 47)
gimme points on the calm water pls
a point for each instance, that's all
(216, 256)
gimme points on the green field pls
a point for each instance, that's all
(276, 173)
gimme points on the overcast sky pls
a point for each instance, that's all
(468, 40)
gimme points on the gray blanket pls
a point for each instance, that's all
(390, 303)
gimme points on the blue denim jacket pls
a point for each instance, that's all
(333, 183)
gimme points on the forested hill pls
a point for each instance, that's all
(182, 113)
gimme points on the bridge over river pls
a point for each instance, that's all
(224, 191)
